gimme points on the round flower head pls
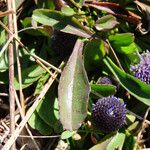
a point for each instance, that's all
(109, 114)
(104, 80)
(142, 69)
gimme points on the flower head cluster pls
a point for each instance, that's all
(104, 80)
(109, 114)
(142, 69)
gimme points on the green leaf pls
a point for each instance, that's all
(110, 142)
(67, 134)
(73, 90)
(37, 123)
(116, 142)
(59, 21)
(106, 23)
(102, 145)
(4, 61)
(130, 142)
(93, 53)
(40, 83)
(29, 76)
(77, 3)
(48, 107)
(68, 11)
(103, 90)
(123, 43)
(134, 86)
(2, 36)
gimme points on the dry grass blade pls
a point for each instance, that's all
(6, 13)
(143, 126)
(11, 74)
(22, 116)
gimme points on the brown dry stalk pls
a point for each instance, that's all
(143, 125)
(11, 74)
(6, 13)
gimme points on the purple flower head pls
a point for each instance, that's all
(142, 69)
(104, 80)
(109, 114)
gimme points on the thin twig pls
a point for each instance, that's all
(38, 137)
(4, 94)
(6, 13)
(21, 96)
(11, 75)
(143, 125)
(113, 52)
(17, 57)
(29, 112)
(30, 28)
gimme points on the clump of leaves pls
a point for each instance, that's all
(95, 39)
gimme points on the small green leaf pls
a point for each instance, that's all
(77, 3)
(106, 23)
(40, 83)
(67, 134)
(134, 86)
(123, 43)
(116, 142)
(37, 123)
(73, 90)
(134, 126)
(68, 11)
(4, 61)
(29, 76)
(102, 145)
(93, 53)
(103, 90)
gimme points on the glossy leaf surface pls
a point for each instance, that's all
(117, 141)
(106, 23)
(73, 90)
(103, 90)
(123, 43)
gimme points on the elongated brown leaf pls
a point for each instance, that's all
(73, 90)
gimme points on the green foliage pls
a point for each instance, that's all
(93, 53)
(103, 90)
(60, 21)
(123, 43)
(130, 83)
(37, 123)
(110, 36)
(29, 75)
(106, 23)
